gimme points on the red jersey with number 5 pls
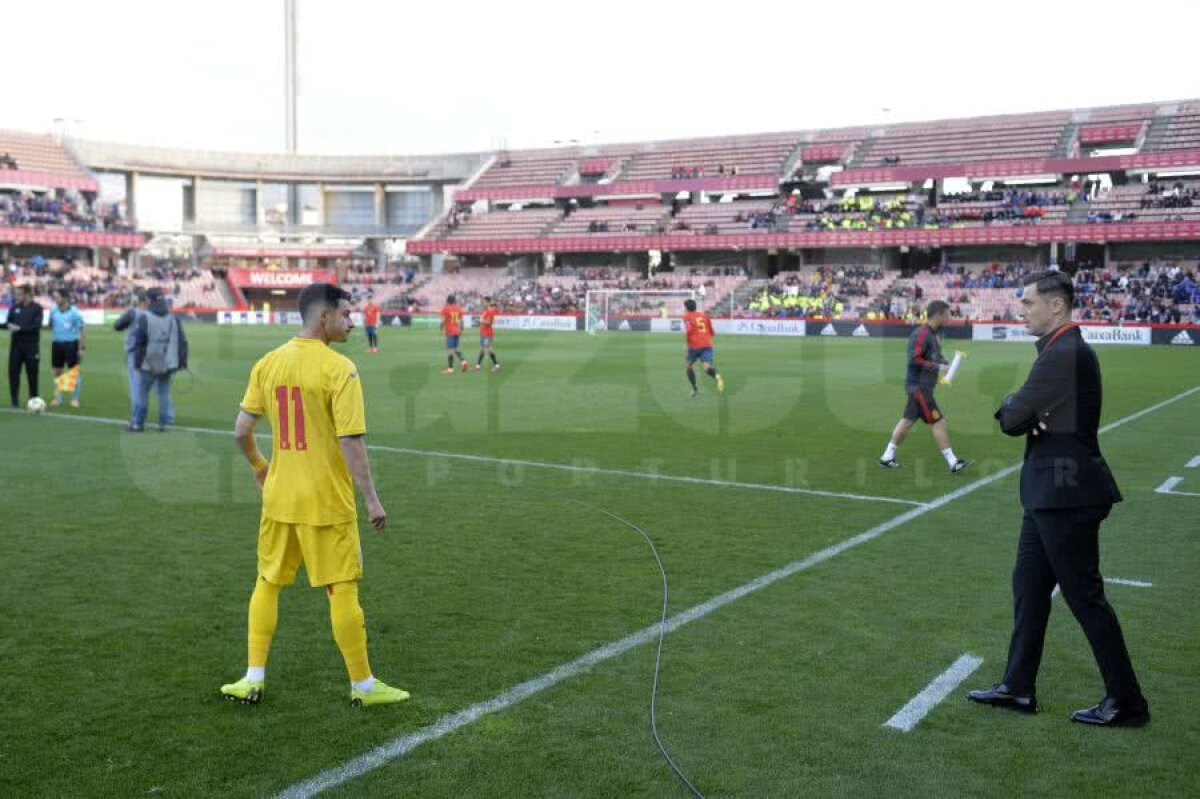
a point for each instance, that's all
(699, 330)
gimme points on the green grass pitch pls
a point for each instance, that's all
(128, 562)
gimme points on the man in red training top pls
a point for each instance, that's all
(699, 346)
(452, 326)
(486, 334)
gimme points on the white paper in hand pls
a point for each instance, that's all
(955, 362)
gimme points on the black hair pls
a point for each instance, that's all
(689, 304)
(316, 296)
(1053, 283)
(450, 299)
(936, 307)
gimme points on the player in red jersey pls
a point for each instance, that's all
(452, 326)
(486, 334)
(371, 323)
(699, 346)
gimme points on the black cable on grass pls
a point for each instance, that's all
(662, 633)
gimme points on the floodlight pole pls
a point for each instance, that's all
(290, 88)
(291, 91)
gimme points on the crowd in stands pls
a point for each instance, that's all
(1178, 196)
(766, 220)
(1163, 293)
(992, 276)
(8, 162)
(697, 171)
(65, 209)
(86, 287)
(1015, 198)
(565, 289)
(1157, 293)
(823, 292)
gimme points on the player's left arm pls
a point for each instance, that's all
(243, 431)
(82, 333)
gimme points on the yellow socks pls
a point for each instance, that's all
(264, 615)
(349, 629)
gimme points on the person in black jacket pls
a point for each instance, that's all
(1067, 490)
(25, 322)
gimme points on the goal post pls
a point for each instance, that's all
(605, 309)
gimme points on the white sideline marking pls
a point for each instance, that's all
(1194, 462)
(1134, 583)
(1139, 414)
(1114, 581)
(919, 706)
(565, 467)
(397, 747)
(1168, 487)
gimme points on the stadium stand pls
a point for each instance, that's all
(733, 156)
(720, 218)
(1024, 136)
(1183, 131)
(501, 224)
(469, 285)
(28, 159)
(1149, 202)
(613, 219)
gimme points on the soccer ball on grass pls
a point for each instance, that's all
(36, 405)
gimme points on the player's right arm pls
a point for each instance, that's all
(354, 450)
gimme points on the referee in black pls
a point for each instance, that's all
(25, 322)
(1067, 490)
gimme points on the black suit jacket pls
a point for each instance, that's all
(1063, 466)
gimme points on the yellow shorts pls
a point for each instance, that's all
(330, 553)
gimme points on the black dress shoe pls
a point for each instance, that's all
(999, 696)
(1111, 714)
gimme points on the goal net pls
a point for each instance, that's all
(614, 309)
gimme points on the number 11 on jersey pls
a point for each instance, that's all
(286, 439)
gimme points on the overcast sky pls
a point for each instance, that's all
(446, 75)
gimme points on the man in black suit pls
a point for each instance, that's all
(25, 322)
(1067, 490)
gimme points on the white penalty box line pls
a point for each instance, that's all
(402, 745)
(563, 467)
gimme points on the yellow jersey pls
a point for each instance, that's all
(312, 396)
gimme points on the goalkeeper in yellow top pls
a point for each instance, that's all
(313, 399)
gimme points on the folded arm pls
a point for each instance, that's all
(1043, 391)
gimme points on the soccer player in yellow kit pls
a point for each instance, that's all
(312, 397)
